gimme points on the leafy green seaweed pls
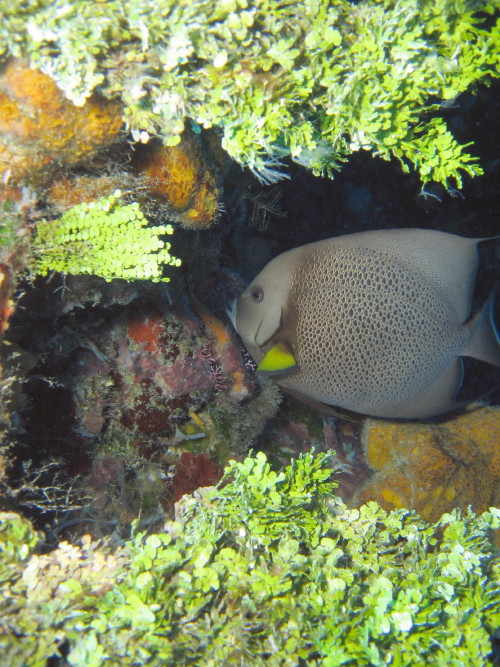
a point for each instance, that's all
(314, 80)
(267, 568)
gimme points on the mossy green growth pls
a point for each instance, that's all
(314, 80)
(10, 223)
(267, 569)
(103, 238)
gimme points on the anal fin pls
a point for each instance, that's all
(323, 408)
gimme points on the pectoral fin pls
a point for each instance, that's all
(279, 360)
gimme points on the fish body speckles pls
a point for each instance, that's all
(372, 322)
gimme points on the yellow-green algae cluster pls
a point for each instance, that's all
(103, 238)
(314, 80)
(266, 569)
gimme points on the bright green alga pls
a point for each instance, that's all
(314, 80)
(267, 569)
(103, 238)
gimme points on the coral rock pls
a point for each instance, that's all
(226, 349)
(194, 471)
(433, 468)
(147, 330)
(6, 303)
(170, 372)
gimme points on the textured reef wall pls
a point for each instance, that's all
(153, 158)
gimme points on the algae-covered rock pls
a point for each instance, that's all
(314, 81)
(267, 568)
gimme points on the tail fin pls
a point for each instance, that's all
(484, 341)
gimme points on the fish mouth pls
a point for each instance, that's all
(231, 312)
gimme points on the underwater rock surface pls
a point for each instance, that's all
(433, 468)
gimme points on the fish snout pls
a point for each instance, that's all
(231, 312)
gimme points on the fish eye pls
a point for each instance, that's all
(257, 294)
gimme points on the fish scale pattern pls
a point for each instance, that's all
(372, 331)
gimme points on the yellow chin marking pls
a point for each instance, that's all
(278, 359)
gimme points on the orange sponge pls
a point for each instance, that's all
(40, 128)
(433, 468)
(180, 179)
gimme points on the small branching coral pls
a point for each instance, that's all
(314, 80)
(103, 238)
(266, 569)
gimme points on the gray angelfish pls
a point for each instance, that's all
(374, 322)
